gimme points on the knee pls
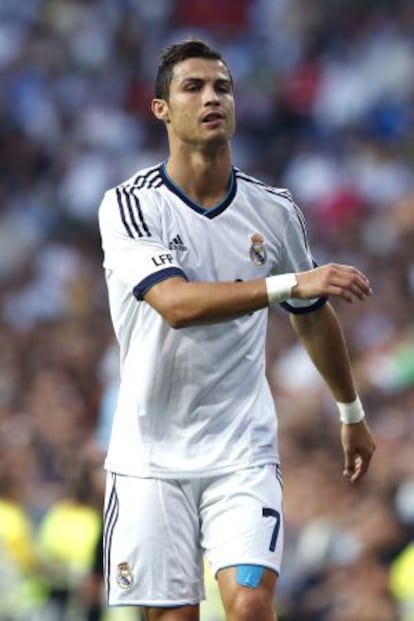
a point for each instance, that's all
(251, 605)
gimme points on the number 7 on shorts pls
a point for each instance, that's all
(268, 512)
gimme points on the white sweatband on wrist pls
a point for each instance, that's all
(350, 413)
(279, 288)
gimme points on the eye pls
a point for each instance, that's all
(191, 87)
(223, 87)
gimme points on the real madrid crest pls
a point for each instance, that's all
(124, 576)
(258, 253)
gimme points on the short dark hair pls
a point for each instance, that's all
(176, 53)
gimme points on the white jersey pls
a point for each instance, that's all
(194, 401)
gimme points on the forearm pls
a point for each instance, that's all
(190, 303)
(323, 338)
(183, 303)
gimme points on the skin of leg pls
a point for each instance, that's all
(180, 613)
(243, 603)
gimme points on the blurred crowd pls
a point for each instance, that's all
(325, 106)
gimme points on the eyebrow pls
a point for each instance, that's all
(197, 80)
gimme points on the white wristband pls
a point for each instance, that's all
(350, 413)
(279, 288)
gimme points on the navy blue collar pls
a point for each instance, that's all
(209, 213)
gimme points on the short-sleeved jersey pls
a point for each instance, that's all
(194, 401)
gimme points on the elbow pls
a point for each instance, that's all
(170, 300)
(176, 322)
(177, 317)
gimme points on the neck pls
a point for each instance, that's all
(203, 177)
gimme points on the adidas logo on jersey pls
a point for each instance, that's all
(177, 244)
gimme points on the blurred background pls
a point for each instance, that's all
(325, 101)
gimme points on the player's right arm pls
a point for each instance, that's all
(183, 303)
(133, 250)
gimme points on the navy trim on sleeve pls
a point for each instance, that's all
(145, 285)
(302, 310)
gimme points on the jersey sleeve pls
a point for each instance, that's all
(297, 257)
(133, 249)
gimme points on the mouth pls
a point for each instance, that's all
(212, 118)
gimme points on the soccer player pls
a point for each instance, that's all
(195, 251)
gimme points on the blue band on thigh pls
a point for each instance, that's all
(249, 575)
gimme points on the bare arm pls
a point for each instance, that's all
(183, 303)
(322, 336)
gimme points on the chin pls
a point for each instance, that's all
(217, 138)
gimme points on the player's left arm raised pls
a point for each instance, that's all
(322, 336)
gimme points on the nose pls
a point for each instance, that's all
(210, 95)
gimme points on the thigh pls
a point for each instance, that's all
(242, 519)
(152, 555)
(246, 603)
(181, 613)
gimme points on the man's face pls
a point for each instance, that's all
(201, 104)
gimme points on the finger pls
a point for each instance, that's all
(349, 464)
(352, 474)
(365, 457)
(352, 279)
(340, 292)
(360, 276)
(352, 271)
(348, 276)
(348, 473)
(359, 470)
(361, 287)
(359, 292)
(360, 467)
(342, 287)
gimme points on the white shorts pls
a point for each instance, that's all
(156, 532)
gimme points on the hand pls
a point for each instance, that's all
(343, 281)
(358, 447)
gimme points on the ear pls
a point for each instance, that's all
(160, 110)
